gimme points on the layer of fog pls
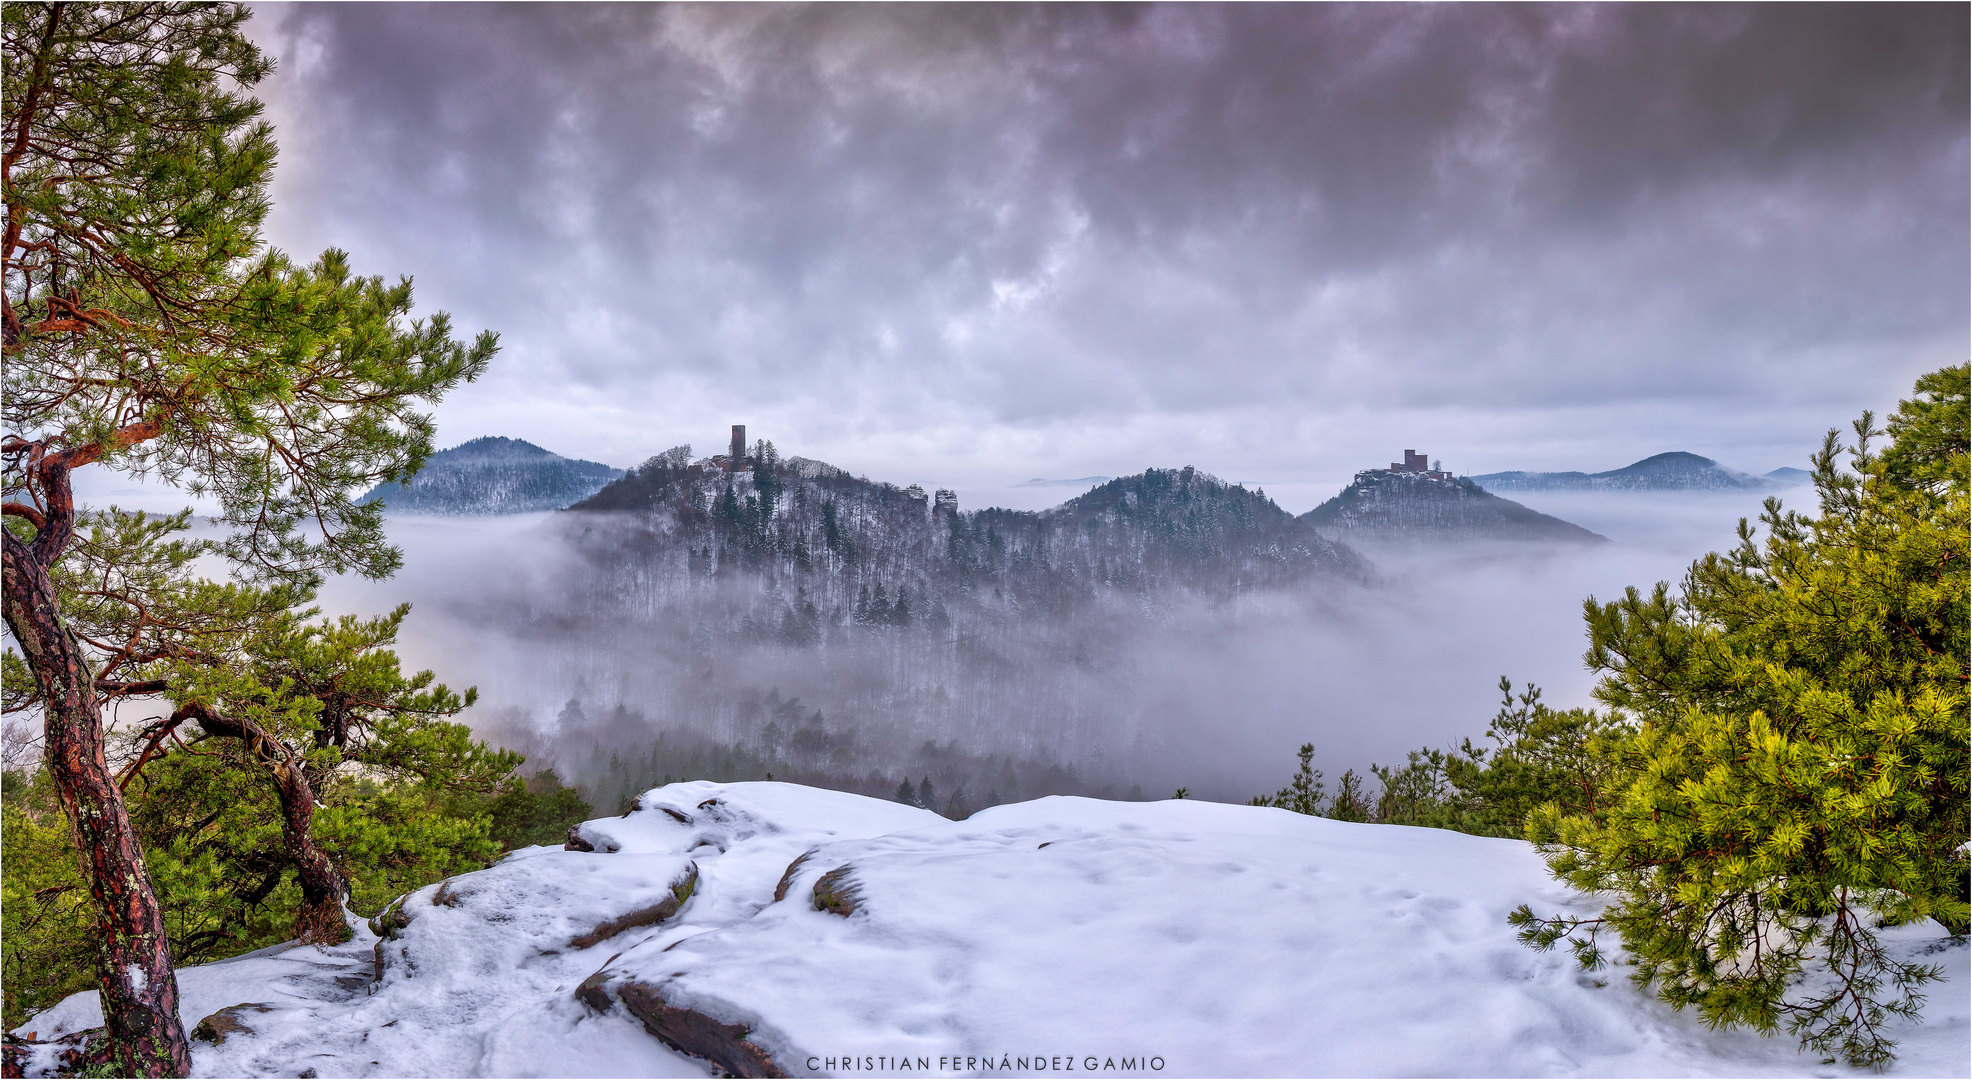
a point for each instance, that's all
(1214, 697)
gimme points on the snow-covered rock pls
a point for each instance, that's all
(775, 929)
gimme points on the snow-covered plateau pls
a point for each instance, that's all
(774, 929)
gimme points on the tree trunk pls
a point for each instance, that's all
(133, 953)
(323, 889)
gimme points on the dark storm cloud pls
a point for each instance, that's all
(910, 233)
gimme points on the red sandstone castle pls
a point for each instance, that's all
(1417, 464)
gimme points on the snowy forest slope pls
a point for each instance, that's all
(790, 618)
(494, 475)
(1381, 505)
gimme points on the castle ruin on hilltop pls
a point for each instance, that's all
(1416, 464)
(737, 461)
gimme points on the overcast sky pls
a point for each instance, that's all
(967, 246)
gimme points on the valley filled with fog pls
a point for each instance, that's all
(598, 666)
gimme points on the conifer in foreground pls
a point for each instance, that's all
(1795, 779)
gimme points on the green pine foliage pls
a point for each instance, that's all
(212, 840)
(147, 317)
(1303, 794)
(537, 812)
(149, 329)
(42, 901)
(1795, 780)
(210, 826)
(1537, 755)
(1352, 800)
(403, 795)
(1780, 772)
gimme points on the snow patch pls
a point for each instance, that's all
(1169, 938)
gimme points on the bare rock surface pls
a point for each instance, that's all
(231, 1020)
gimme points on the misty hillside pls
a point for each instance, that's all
(790, 618)
(1385, 505)
(860, 552)
(494, 475)
(1675, 471)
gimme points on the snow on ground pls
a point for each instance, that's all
(1174, 938)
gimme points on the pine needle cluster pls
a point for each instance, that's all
(1790, 778)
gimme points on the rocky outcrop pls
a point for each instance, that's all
(684, 1030)
(692, 1032)
(681, 891)
(577, 841)
(230, 1020)
(837, 893)
(787, 876)
(76, 1053)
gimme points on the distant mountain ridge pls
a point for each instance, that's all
(1673, 471)
(1383, 504)
(1085, 481)
(494, 475)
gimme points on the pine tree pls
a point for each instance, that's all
(906, 794)
(1352, 802)
(832, 535)
(927, 798)
(1794, 773)
(1303, 794)
(146, 328)
(312, 756)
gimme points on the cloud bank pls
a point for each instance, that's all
(981, 243)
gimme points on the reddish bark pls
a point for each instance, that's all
(139, 990)
(323, 888)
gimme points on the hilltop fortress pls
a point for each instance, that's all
(1412, 502)
(1416, 464)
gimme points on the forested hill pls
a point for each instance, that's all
(1382, 505)
(494, 475)
(921, 639)
(859, 551)
(1675, 471)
